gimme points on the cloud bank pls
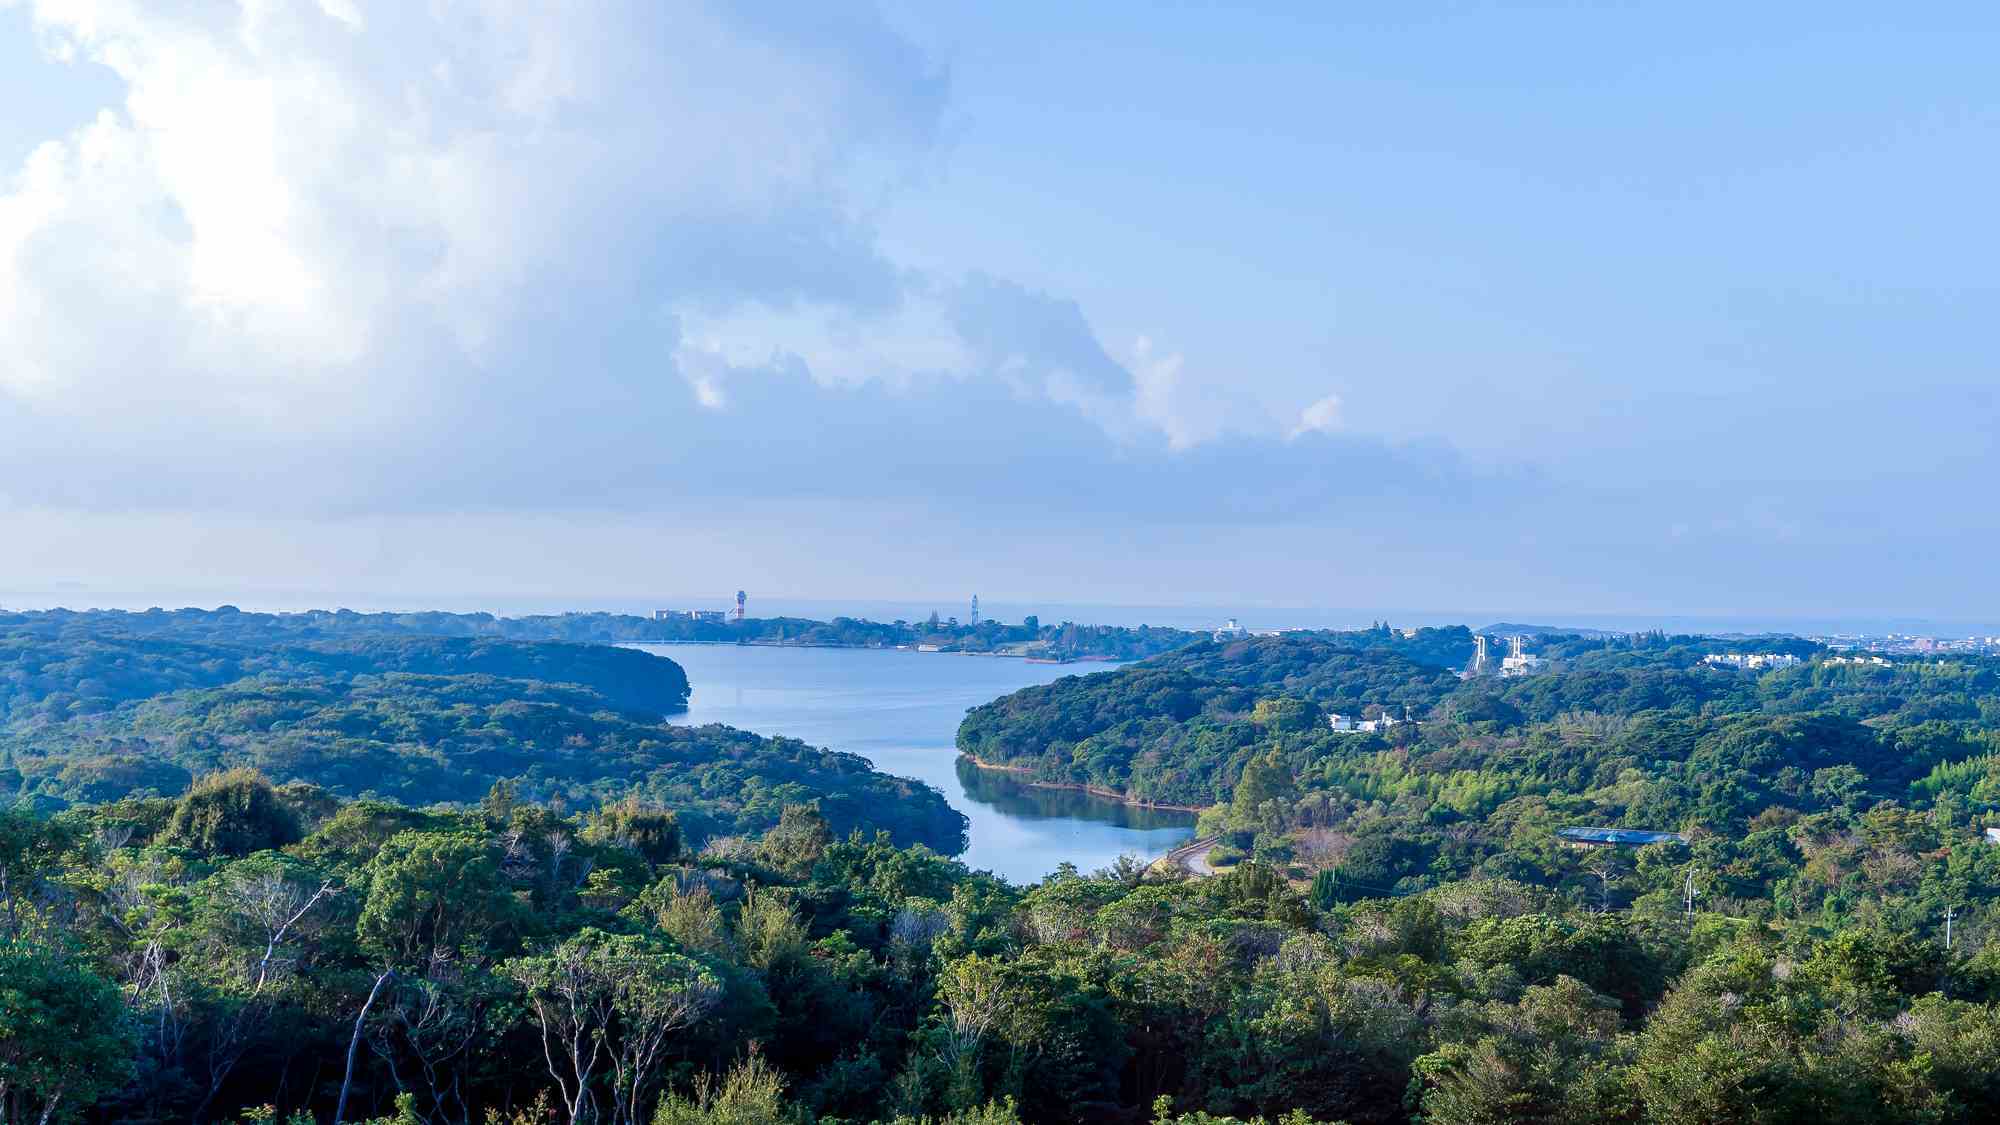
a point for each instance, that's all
(382, 257)
(351, 260)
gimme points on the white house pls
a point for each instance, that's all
(1751, 661)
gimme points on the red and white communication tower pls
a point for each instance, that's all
(739, 607)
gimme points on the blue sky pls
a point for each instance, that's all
(1538, 308)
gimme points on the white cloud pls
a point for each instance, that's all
(1160, 396)
(838, 346)
(344, 11)
(391, 256)
(1322, 416)
(370, 195)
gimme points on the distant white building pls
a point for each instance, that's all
(1519, 662)
(1993, 835)
(1872, 661)
(711, 616)
(1230, 631)
(1751, 661)
(1348, 724)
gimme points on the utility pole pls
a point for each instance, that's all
(1950, 913)
(1688, 895)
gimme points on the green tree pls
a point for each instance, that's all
(232, 813)
(1286, 714)
(606, 1006)
(751, 1094)
(63, 1037)
(33, 856)
(799, 840)
(651, 831)
(432, 897)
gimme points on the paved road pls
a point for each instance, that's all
(1193, 857)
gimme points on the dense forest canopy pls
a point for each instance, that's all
(1829, 785)
(221, 899)
(1130, 729)
(94, 715)
(65, 665)
(249, 953)
(1062, 640)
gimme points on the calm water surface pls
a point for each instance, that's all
(901, 711)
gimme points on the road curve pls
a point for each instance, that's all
(1192, 857)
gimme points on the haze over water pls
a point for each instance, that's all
(901, 711)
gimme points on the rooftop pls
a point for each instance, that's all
(1620, 836)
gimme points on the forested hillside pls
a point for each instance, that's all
(57, 668)
(642, 923)
(1160, 730)
(255, 954)
(1063, 640)
(1831, 789)
(88, 714)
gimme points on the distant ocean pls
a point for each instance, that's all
(1250, 616)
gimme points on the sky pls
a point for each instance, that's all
(1531, 309)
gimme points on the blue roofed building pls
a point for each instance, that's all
(1616, 837)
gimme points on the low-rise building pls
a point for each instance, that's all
(1750, 661)
(705, 616)
(1348, 724)
(1616, 837)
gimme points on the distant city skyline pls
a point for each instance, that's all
(1189, 616)
(1655, 309)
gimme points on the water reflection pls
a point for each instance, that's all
(901, 711)
(1008, 793)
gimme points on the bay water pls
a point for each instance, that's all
(901, 711)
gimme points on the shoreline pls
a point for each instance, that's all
(912, 649)
(1078, 787)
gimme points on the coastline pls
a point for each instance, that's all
(915, 649)
(1077, 787)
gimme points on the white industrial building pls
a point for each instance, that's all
(1519, 662)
